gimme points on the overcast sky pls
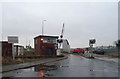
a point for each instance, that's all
(83, 21)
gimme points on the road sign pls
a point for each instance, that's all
(13, 39)
(92, 41)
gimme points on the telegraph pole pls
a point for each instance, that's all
(43, 26)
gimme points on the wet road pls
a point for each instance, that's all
(74, 66)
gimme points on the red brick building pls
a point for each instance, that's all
(45, 45)
(6, 49)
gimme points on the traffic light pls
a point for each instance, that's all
(59, 40)
(92, 41)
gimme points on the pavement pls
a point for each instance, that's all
(103, 57)
(30, 64)
(108, 59)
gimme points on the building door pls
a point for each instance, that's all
(49, 51)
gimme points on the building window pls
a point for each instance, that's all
(51, 40)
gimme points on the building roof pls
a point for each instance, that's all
(46, 36)
(18, 46)
(5, 42)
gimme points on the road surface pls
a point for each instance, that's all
(74, 66)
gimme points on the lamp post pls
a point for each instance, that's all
(43, 26)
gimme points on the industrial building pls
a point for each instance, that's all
(45, 45)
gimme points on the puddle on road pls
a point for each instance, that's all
(45, 67)
(43, 70)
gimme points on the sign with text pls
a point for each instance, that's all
(13, 39)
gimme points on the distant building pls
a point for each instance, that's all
(6, 49)
(18, 50)
(45, 45)
(28, 48)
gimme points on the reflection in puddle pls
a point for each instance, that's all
(42, 73)
(43, 69)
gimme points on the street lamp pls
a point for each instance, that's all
(43, 26)
(41, 39)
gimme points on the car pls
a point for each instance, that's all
(99, 51)
(78, 50)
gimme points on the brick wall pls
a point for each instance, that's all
(6, 49)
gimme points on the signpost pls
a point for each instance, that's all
(13, 39)
(91, 42)
(59, 41)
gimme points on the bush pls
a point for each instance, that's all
(6, 60)
(28, 53)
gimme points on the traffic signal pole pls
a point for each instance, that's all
(91, 42)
